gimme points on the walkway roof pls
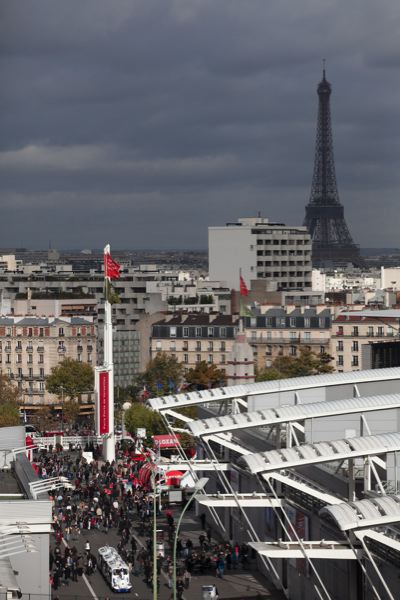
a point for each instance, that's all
(317, 550)
(164, 403)
(298, 412)
(240, 500)
(372, 512)
(321, 452)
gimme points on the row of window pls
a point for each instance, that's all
(267, 242)
(211, 331)
(211, 347)
(18, 359)
(354, 361)
(371, 331)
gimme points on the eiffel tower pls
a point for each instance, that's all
(332, 244)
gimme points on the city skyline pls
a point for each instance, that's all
(144, 123)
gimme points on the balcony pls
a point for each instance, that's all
(17, 349)
(321, 341)
(40, 349)
(61, 350)
(29, 349)
(80, 349)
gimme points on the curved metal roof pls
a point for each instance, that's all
(266, 387)
(298, 412)
(320, 452)
(373, 512)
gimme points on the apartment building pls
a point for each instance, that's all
(31, 346)
(194, 338)
(354, 331)
(283, 331)
(275, 252)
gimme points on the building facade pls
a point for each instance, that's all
(31, 346)
(353, 331)
(193, 338)
(275, 252)
(284, 331)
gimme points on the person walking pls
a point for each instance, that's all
(187, 579)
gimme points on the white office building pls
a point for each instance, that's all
(278, 253)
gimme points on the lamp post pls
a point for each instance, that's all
(62, 407)
(199, 486)
(126, 406)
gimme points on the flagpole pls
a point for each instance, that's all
(109, 440)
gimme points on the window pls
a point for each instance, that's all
(19, 358)
(30, 359)
(223, 347)
(198, 346)
(198, 358)
(340, 345)
(210, 358)
(198, 332)
(89, 358)
(158, 345)
(30, 373)
(19, 372)
(29, 343)
(41, 386)
(340, 360)
(307, 335)
(355, 347)
(254, 335)
(186, 332)
(322, 349)
(61, 345)
(371, 331)
(210, 331)
(8, 359)
(41, 372)
(79, 357)
(19, 345)
(292, 321)
(186, 358)
(321, 323)
(172, 332)
(381, 331)
(355, 331)
(30, 331)
(41, 332)
(61, 332)
(293, 335)
(268, 350)
(354, 362)
(339, 331)
(223, 359)
(293, 350)
(210, 346)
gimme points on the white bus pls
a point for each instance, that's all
(115, 571)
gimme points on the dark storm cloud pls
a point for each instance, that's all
(144, 122)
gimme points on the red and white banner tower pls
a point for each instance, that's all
(104, 374)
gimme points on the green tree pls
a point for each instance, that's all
(9, 411)
(70, 379)
(139, 415)
(204, 376)
(163, 375)
(307, 363)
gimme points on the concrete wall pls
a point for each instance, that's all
(231, 249)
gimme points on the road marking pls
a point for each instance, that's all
(85, 579)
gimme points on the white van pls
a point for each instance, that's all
(115, 571)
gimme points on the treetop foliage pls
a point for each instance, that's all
(70, 379)
(307, 363)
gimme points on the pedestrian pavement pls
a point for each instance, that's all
(240, 584)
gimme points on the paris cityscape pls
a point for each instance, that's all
(199, 301)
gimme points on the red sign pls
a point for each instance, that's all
(166, 441)
(104, 421)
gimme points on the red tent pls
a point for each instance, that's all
(173, 477)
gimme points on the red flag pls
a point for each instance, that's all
(243, 287)
(111, 268)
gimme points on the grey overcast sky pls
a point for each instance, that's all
(142, 122)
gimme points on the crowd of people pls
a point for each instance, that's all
(113, 496)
